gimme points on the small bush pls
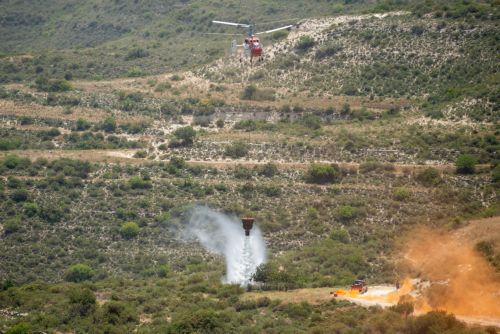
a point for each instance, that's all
(19, 195)
(429, 177)
(268, 170)
(237, 150)
(251, 92)
(346, 213)
(109, 124)
(141, 154)
(137, 182)
(12, 225)
(305, 43)
(82, 125)
(78, 273)
(129, 230)
(21, 328)
(321, 174)
(401, 194)
(136, 53)
(186, 134)
(465, 164)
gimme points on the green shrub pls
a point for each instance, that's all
(137, 182)
(141, 154)
(12, 225)
(13, 161)
(320, 173)
(164, 270)
(429, 177)
(78, 273)
(186, 134)
(401, 194)
(82, 300)
(465, 164)
(129, 230)
(251, 92)
(347, 212)
(268, 170)
(109, 124)
(52, 85)
(305, 43)
(30, 209)
(19, 195)
(136, 53)
(237, 150)
(21, 328)
(117, 313)
(82, 125)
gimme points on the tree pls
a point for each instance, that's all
(466, 164)
(79, 272)
(129, 230)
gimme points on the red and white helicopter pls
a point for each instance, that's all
(252, 44)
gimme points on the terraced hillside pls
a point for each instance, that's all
(355, 130)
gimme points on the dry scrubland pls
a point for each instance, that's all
(354, 131)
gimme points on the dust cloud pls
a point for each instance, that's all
(461, 280)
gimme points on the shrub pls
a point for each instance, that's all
(82, 125)
(220, 123)
(52, 85)
(251, 92)
(320, 173)
(237, 150)
(30, 209)
(136, 53)
(346, 213)
(429, 177)
(109, 124)
(311, 121)
(21, 328)
(141, 154)
(82, 300)
(465, 164)
(401, 194)
(137, 182)
(19, 195)
(117, 313)
(13, 161)
(51, 213)
(186, 134)
(78, 273)
(164, 270)
(305, 43)
(268, 169)
(12, 225)
(129, 230)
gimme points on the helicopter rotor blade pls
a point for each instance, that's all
(219, 33)
(273, 30)
(232, 24)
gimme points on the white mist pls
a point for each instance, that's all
(224, 235)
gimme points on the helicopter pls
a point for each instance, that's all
(252, 45)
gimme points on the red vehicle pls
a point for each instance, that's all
(359, 285)
(252, 44)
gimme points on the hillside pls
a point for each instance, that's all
(366, 123)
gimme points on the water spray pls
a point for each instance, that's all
(221, 234)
